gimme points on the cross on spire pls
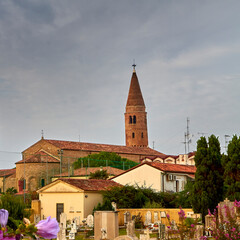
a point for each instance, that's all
(134, 65)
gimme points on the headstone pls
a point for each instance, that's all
(90, 221)
(161, 231)
(71, 235)
(148, 218)
(198, 232)
(63, 220)
(222, 208)
(63, 224)
(131, 228)
(105, 225)
(127, 217)
(155, 216)
(163, 214)
(37, 218)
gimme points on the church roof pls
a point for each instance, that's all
(135, 97)
(40, 156)
(7, 172)
(95, 147)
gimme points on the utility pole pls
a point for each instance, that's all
(60, 152)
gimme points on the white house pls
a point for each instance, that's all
(159, 176)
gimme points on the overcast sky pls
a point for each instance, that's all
(65, 67)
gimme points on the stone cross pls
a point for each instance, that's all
(114, 205)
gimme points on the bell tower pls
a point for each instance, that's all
(135, 115)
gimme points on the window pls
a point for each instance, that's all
(42, 182)
(133, 135)
(60, 209)
(142, 134)
(134, 119)
(130, 119)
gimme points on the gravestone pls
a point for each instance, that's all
(161, 231)
(127, 217)
(155, 215)
(63, 224)
(37, 218)
(105, 225)
(131, 228)
(163, 214)
(148, 218)
(90, 221)
(222, 209)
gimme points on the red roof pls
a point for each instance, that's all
(7, 172)
(166, 167)
(169, 167)
(95, 147)
(135, 97)
(40, 157)
(87, 171)
(164, 156)
(90, 184)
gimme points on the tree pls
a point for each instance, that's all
(231, 164)
(104, 159)
(100, 174)
(208, 187)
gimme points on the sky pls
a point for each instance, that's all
(65, 68)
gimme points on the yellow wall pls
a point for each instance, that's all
(91, 201)
(77, 203)
(152, 177)
(73, 204)
(172, 212)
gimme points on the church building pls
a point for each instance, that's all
(48, 157)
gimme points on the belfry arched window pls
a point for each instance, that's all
(133, 135)
(130, 119)
(134, 119)
(142, 134)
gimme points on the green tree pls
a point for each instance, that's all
(208, 186)
(231, 164)
(104, 159)
(100, 174)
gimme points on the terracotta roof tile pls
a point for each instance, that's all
(135, 97)
(166, 167)
(95, 147)
(86, 171)
(169, 167)
(7, 172)
(90, 184)
(40, 157)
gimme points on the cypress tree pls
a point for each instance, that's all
(208, 185)
(232, 169)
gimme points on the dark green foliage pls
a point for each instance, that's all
(231, 164)
(100, 174)
(15, 206)
(136, 197)
(208, 187)
(11, 190)
(107, 205)
(104, 159)
(183, 198)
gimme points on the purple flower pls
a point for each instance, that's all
(192, 225)
(168, 216)
(181, 214)
(48, 228)
(3, 217)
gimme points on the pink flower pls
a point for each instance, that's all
(48, 228)
(3, 217)
(181, 214)
(168, 216)
(192, 225)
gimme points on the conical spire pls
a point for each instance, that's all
(135, 97)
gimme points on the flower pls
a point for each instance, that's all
(192, 225)
(181, 214)
(3, 217)
(168, 216)
(48, 228)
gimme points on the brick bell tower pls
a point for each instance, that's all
(135, 115)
